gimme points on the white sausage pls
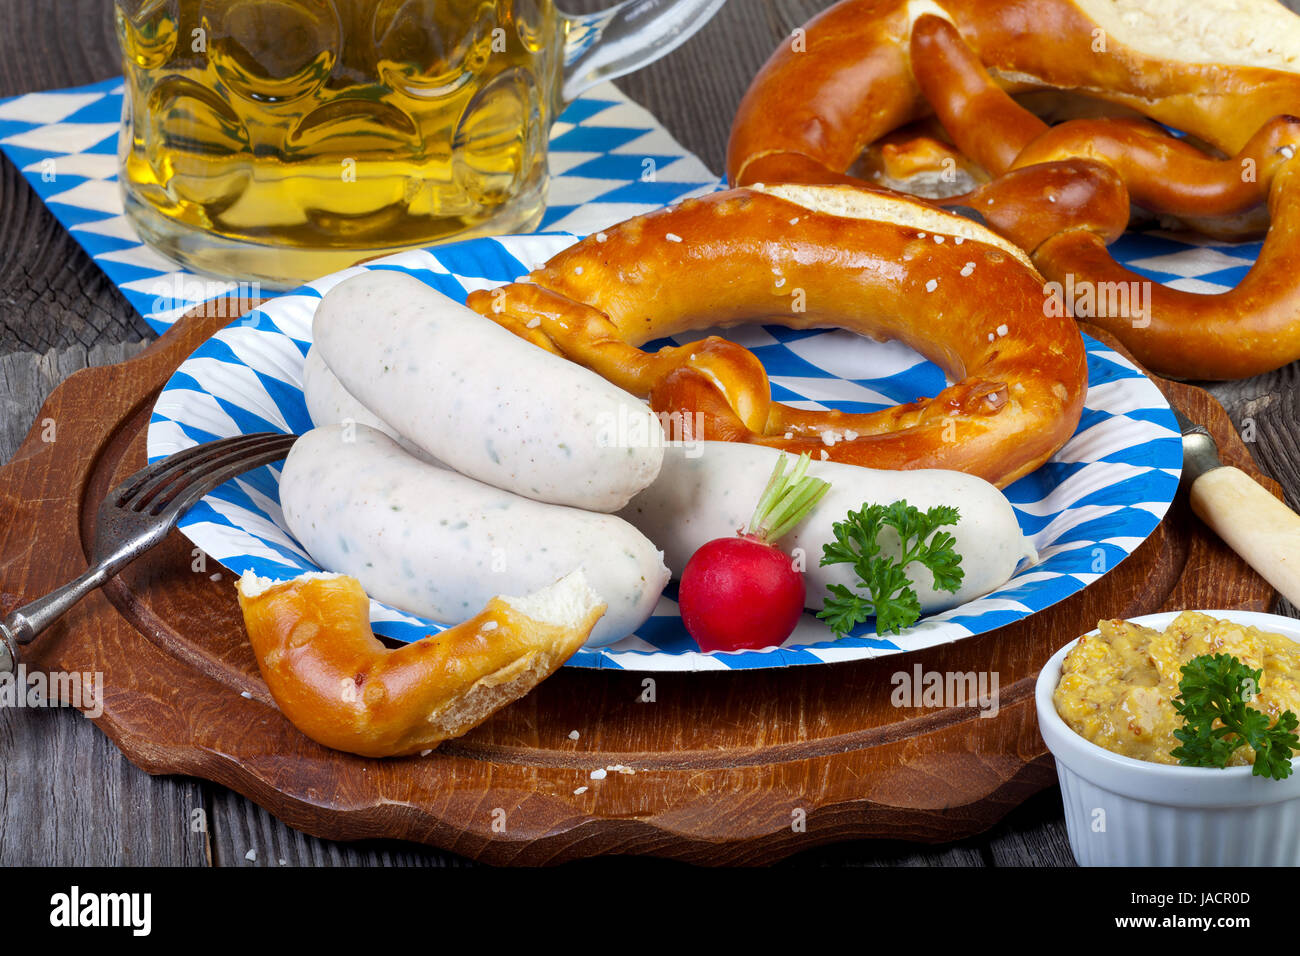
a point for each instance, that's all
(488, 403)
(712, 494)
(329, 403)
(435, 543)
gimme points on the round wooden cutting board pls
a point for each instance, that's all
(717, 767)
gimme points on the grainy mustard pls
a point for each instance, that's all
(1117, 686)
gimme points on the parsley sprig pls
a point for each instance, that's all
(1212, 699)
(890, 596)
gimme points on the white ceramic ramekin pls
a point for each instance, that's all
(1125, 812)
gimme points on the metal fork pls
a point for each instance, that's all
(136, 516)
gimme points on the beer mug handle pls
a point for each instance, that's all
(601, 46)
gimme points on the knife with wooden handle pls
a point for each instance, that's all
(1256, 525)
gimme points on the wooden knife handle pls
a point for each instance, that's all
(1259, 527)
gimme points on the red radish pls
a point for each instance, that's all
(744, 593)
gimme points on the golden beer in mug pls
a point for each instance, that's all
(281, 140)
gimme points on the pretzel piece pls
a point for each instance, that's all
(334, 680)
(813, 257)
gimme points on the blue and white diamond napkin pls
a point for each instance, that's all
(609, 160)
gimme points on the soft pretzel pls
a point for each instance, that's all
(1252, 328)
(1218, 71)
(1162, 174)
(809, 257)
(334, 680)
(845, 79)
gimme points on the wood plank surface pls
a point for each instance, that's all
(68, 795)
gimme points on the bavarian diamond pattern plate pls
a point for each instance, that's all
(1086, 510)
(609, 160)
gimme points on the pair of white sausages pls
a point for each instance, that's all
(448, 453)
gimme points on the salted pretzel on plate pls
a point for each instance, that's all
(874, 262)
(1223, 71)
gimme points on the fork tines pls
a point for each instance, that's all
(181, 479)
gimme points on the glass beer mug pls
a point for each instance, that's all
(281, 140)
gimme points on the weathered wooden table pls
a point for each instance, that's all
(68, 796)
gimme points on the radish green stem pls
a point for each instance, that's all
(770, 492)
(786, 500)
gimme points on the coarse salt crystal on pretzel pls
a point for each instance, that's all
(857, 261)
